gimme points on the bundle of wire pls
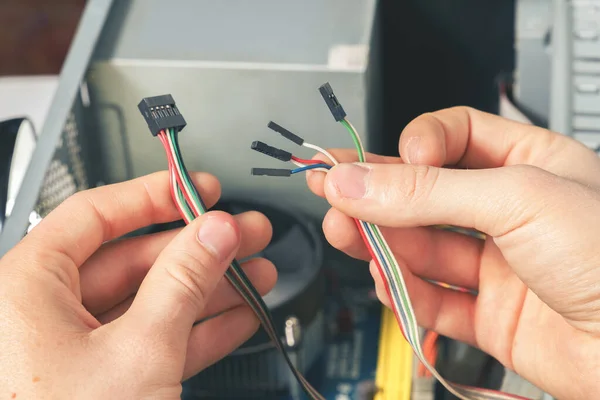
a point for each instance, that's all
(376, 244)
(190, 206)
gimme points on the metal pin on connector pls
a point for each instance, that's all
(161, 113)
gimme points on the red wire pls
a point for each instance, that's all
(171, 162)
(167, 146)
(387, 290)
(305, 161)
(171, 186)
(380, 270)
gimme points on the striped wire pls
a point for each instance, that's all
(395, 287)
(390, 271)
(190, 206)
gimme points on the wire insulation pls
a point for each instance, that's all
(309, 167)
(395, 287)
(394, 283)
(190, 206)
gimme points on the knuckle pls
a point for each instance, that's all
(74, 200)
(530, 192)
(462, 109)
(427, 120)
(418, 182)
(529, 180)
(186, 270)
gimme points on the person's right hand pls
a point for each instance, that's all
(536, 194)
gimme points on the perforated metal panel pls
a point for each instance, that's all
(65, 106)
(67, 173)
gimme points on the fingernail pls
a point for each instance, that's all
(218, 237)
(350, 180)
(412, 149)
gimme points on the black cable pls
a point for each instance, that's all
(9, 131)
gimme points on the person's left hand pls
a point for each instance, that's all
(85, 316)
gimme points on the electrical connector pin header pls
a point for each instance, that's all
(161, 113)
(332, 102)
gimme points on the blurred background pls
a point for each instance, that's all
(73, 71)
(36, 34)
(437, 53)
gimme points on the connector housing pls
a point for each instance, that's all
(271, 172)
(274, 152)
(160, 113)
(285, 133)
(332, 102)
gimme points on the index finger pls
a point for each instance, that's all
(78, 226)
(468, 138)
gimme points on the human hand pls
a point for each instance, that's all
(88, 317)
(533, 192)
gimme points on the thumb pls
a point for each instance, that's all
(494, 201)
(182, 280)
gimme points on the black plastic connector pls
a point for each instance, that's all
(332, 102)
(274, 152)
(285, 133)
(271, 172)
(160, 113)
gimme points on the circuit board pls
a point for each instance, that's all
(347, 369)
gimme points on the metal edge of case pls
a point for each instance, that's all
(72, 73)
(561, 109)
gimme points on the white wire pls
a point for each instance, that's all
(374, 244)
(322, 151)
(357, 137)
(194, 206)
(298, 164)
(415, 341)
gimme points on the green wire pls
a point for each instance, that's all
(195, 198)
(377, 232)
(361, 154)
(191, 189)
(236, 275)
(186, 208)
(412, 333)
(186, 178)
(394, 270)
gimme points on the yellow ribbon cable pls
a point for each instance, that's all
(394, 362)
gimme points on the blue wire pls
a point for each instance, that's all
(386, 267)
(308, 167)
